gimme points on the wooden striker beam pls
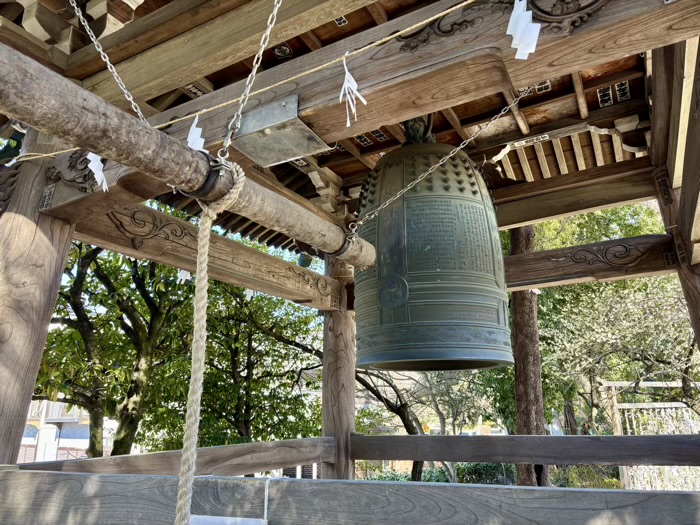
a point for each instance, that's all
(33, 94)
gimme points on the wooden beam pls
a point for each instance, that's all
(524, 164)
(453, 119)
(195, 54)
(561, 159)
(355, 152)
(684, 66)
(338, 384)
(542, 160)
(378, 13)
(144, 233)
(597, 149)
(59, 107)
(578, 152)
(508, 167)
(510, 96)
(603, 261)
(689, 207)
(580, 94)
(541, 450)
(228, 460)
(59, 498)
(311, 40)
(396, 78)
(577, 193)
(662, 76)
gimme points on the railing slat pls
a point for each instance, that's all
(230, 460)
(543, 450)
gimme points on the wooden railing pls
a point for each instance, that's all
(230, 460)
(59, 498)
(542, 450)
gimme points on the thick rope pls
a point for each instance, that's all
(199, 345)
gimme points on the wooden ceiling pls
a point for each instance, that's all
(585, 119)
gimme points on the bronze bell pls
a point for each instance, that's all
(436, 298)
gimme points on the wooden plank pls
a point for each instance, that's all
(228, 460)
(587, 178)
(311, 40)
(542, 160)
(689, 207)
(61, 498)
(195, 54)
(508, 167)
(580, 95)
(578, 152)
(597, 149)
(338, 385)
(510, 96)
(541, 450)
(524, 164)
(378, 13)
(650, 406)
(355, 152)
(603, 261)
(617, 147)
(662, 76)
(580, 193)
(453, 119)
(156, 27)
(685, 57)
(561, 159)
(144, 233)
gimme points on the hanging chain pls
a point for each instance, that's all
(235, 124)
(373, 214)
(106, 60)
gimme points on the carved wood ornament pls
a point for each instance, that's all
(556, 16)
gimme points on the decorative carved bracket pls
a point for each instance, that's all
(75, 173)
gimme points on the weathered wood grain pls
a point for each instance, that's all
(21, 40)
(662, 76)
(145, 233)
(543, 450)
(338, 386)
(195, 54)
(685, 56)
(572, 199)
(229, 460)
(33, 250)
(603, 261)
(143, 33)
(59, 498)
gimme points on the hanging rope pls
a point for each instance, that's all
(199, 346)
(188, 462)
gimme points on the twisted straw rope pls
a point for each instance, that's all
(199, 345)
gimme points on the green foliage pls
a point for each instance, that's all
(585, 477)
(475, 473)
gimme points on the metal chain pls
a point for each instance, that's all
(235, 124)
(373, 214)
(106, 60)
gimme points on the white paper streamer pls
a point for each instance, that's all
(95, 165)
(194, 136)
(183, 276)
(524, 32)
(350, 92)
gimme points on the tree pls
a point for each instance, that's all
(120, 322)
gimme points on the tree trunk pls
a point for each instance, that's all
(528, 378)
(570, 424)
(97, 414)
(33, 250)
(129, 411)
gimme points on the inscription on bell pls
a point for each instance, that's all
(447, 236)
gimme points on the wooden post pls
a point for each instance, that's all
(526, 351)
(33, 250)
(617, 431)
(338, 391)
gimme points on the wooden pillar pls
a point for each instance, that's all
(33, 250)
(338, 391)
(617, 431)
(528, 374)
